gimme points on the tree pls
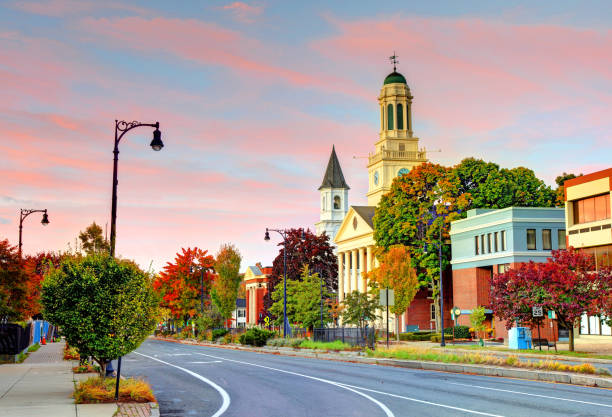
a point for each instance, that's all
(567, 284)
(303, 301)
(560, 192)
(477, 319)
(396, 272)
(92, 240)
(225, 287)
(104, 306)
(35, 268)
(13, 282)
(314, 251)
(179, 283)
(361, 308)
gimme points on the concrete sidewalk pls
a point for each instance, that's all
(42, 386)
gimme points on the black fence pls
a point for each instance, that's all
(354, 336)
(14, 338)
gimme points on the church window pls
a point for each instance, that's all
(390, 117)
(400, 117)
(337, 203)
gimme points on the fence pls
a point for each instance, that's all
(354, 336)
(14, 338)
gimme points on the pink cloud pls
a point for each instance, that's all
(61, 8)
(244, 12)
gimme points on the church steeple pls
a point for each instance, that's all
(334, 198)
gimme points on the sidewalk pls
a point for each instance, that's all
(42, 386)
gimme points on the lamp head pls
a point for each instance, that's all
(267, 235)
(45, 219)
(157, 143)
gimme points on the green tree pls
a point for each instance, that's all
(396, 272)
(303, 301)
(560, 192)
(477, 319)
(104, 306)
(227, 283)
(92, 240)
(361, 308)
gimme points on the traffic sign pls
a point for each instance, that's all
(536, 311)
(383, 298)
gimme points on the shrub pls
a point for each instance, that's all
(461, 332)
(71, 353)
(228, 338)
(437, 337)
(34, 347)
(416, 336)
(102, 390)
(256, 337)
(217, 333)
(85, 368)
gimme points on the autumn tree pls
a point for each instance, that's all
(35, 268)
(567, 284)
(361, 308)
(92, 240)
(13, 282)
(227, 283)
(560, 192)
(397, 273)
(179, 283)
(313, 251)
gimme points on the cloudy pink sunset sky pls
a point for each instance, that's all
(251, 96)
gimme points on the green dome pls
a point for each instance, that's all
(395, 77)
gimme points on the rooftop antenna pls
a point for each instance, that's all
(394, 61)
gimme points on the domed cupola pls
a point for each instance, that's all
(395, 78)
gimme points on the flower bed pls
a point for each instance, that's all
(102, 390)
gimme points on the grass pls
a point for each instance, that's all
(533, 351)
(85, 369)
(102, 390)
(34, 347)
(478, 358)
(309, 344)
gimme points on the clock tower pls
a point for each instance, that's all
(397, 150)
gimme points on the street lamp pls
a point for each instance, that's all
(25, 213)
(121, 128)
(284, 234)
(191, 269)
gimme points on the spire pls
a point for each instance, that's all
(333, 177)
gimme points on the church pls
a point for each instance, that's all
(396, 152)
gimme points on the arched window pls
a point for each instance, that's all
(400, 117)
(390, 117)
(337, 203)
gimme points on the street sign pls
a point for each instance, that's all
(456, 311)
(383, 298)
(267, 320)
(551, 315)
(536, 311)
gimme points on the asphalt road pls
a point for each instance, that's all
(203, 381)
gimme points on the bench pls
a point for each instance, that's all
(544, 342)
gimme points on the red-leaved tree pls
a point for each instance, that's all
(35, 268)
(567, 284)
(13, 282)
(179, 283)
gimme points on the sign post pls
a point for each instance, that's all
(536, 312)
(387, 298)
(455, 313)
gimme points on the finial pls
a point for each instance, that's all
(394, 60)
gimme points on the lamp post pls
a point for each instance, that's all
(25, 213)
(121, 128)
(318, 269)
(201, 287)
(284, 233)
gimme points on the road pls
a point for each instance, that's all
(204, 381)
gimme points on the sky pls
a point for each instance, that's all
(251, 96)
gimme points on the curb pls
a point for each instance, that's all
(519, 373)
(531, 355)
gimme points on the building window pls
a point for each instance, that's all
(495, 241)
(503, 240)
(337, 202)
(433, 312)
(402, 147)
(476, 245)
(592, 209)
(561, 237)
(488, 242)
(400, 116)
(531, 239)
(482, 244)
(546, 240)
(501, 268)
(390, 117)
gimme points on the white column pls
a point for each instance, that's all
(354, 283)
(347, 276)
(340, 276)
(363, 268)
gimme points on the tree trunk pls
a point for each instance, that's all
(397, 327)
(571, 338)
(102, 364)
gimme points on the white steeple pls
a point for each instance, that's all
(334, 198)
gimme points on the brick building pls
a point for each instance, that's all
(256, 285)
(491, 241)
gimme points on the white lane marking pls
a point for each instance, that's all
(388, 412)
(224, 395)
(207, 362)
(532, 395)
(179, 354)
(423, 401)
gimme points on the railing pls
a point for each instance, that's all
(407, 155)
(14, 338)
(354, 336)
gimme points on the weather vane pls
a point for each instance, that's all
(394, 60)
